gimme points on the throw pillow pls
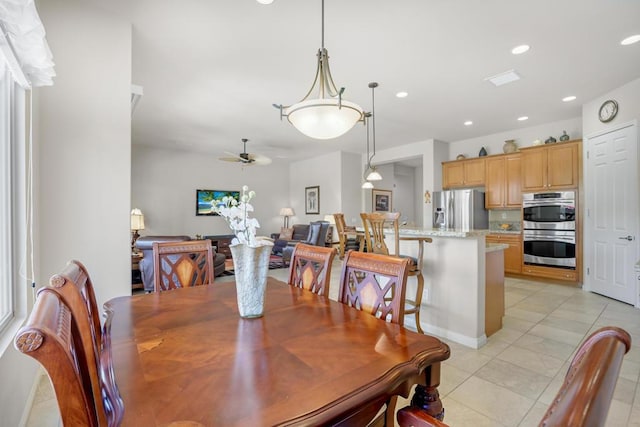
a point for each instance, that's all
(286, 233)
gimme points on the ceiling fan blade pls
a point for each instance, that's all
(230, 159)
(259, 159)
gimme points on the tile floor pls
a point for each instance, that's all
(513, 378)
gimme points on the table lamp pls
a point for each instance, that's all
(286, 213)
(137, 223)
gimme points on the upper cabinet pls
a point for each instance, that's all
(503, 182)
(551, 166)
(463, 173)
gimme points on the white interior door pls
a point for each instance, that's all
(611, 226)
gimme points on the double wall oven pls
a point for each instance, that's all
(549, 229)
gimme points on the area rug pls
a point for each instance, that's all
(275, 261)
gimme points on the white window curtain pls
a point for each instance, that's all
(22, 28)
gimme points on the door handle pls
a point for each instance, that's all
(629, 238)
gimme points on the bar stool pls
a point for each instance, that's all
(374, 226)
(348, 236)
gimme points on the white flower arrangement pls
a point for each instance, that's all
(237, 216)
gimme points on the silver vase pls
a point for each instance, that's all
(251, 267)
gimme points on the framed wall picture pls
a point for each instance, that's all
(312, 200)
(381, 200)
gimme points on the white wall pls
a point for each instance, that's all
(352, 193)
(432, 152)
(164, 184)
(628, 98)
(85, 136)
(524, 137)
(324, 171)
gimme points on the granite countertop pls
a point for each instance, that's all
(517, 232)
(494, 247)
(436, 232)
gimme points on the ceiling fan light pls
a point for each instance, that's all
(323, 118)
(374, 175)
(367, 185)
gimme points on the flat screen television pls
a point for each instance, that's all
(204, 199)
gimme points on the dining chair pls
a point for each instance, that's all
(310, 268)
(375, 224)
(375, 284)
(348, 237)
(182, 264)
(585, 395)
(73, 285)
(51, 336)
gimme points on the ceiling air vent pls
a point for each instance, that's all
(504, 78)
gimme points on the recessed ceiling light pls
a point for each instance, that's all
(468, 123)
(265, 1)
(523, 118)
(520, 49)
(569, 98)
(402, 94)
(630, 40)
(504, 78)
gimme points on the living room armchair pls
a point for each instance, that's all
(316, 236)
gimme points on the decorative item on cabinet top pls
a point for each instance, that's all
(509, 146)
(483, 152)
(550, 140)
(564, 136)
(460, 157)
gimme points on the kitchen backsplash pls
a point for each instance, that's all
(505, 219)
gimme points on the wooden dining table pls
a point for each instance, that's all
(185, 357)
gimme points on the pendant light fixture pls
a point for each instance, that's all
(373, 175)
(327, 115)
(367, 185)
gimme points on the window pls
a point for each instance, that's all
(12, 198)
(6, 291)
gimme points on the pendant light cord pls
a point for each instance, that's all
(322, 41)
(373, 115)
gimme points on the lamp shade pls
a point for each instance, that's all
(330, 219)
(374, 175)
(137, 219)
(287, 212)
(367, 185)
(322, 118)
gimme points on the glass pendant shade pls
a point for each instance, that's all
(374, 175)
(367, 185)
(323, 118)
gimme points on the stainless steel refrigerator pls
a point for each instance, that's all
(460, 210)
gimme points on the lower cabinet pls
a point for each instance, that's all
(550, 273)
(513, 254)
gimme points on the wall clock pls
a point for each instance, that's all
(608, 111)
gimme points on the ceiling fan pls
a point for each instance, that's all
(246, 158)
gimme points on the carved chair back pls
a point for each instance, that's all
(347, 235)
(374, 224)
(585, 395)
(51, 336)
(375, 284)
(74, 287)
(182, 264)
(310, 268)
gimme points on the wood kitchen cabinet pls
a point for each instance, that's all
(463, 173)
(513, 254)
(551, 166)
(503, 182)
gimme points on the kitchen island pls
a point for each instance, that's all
(457, 266)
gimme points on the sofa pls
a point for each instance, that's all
(316, 235)
(145, 244)
(300, 233)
